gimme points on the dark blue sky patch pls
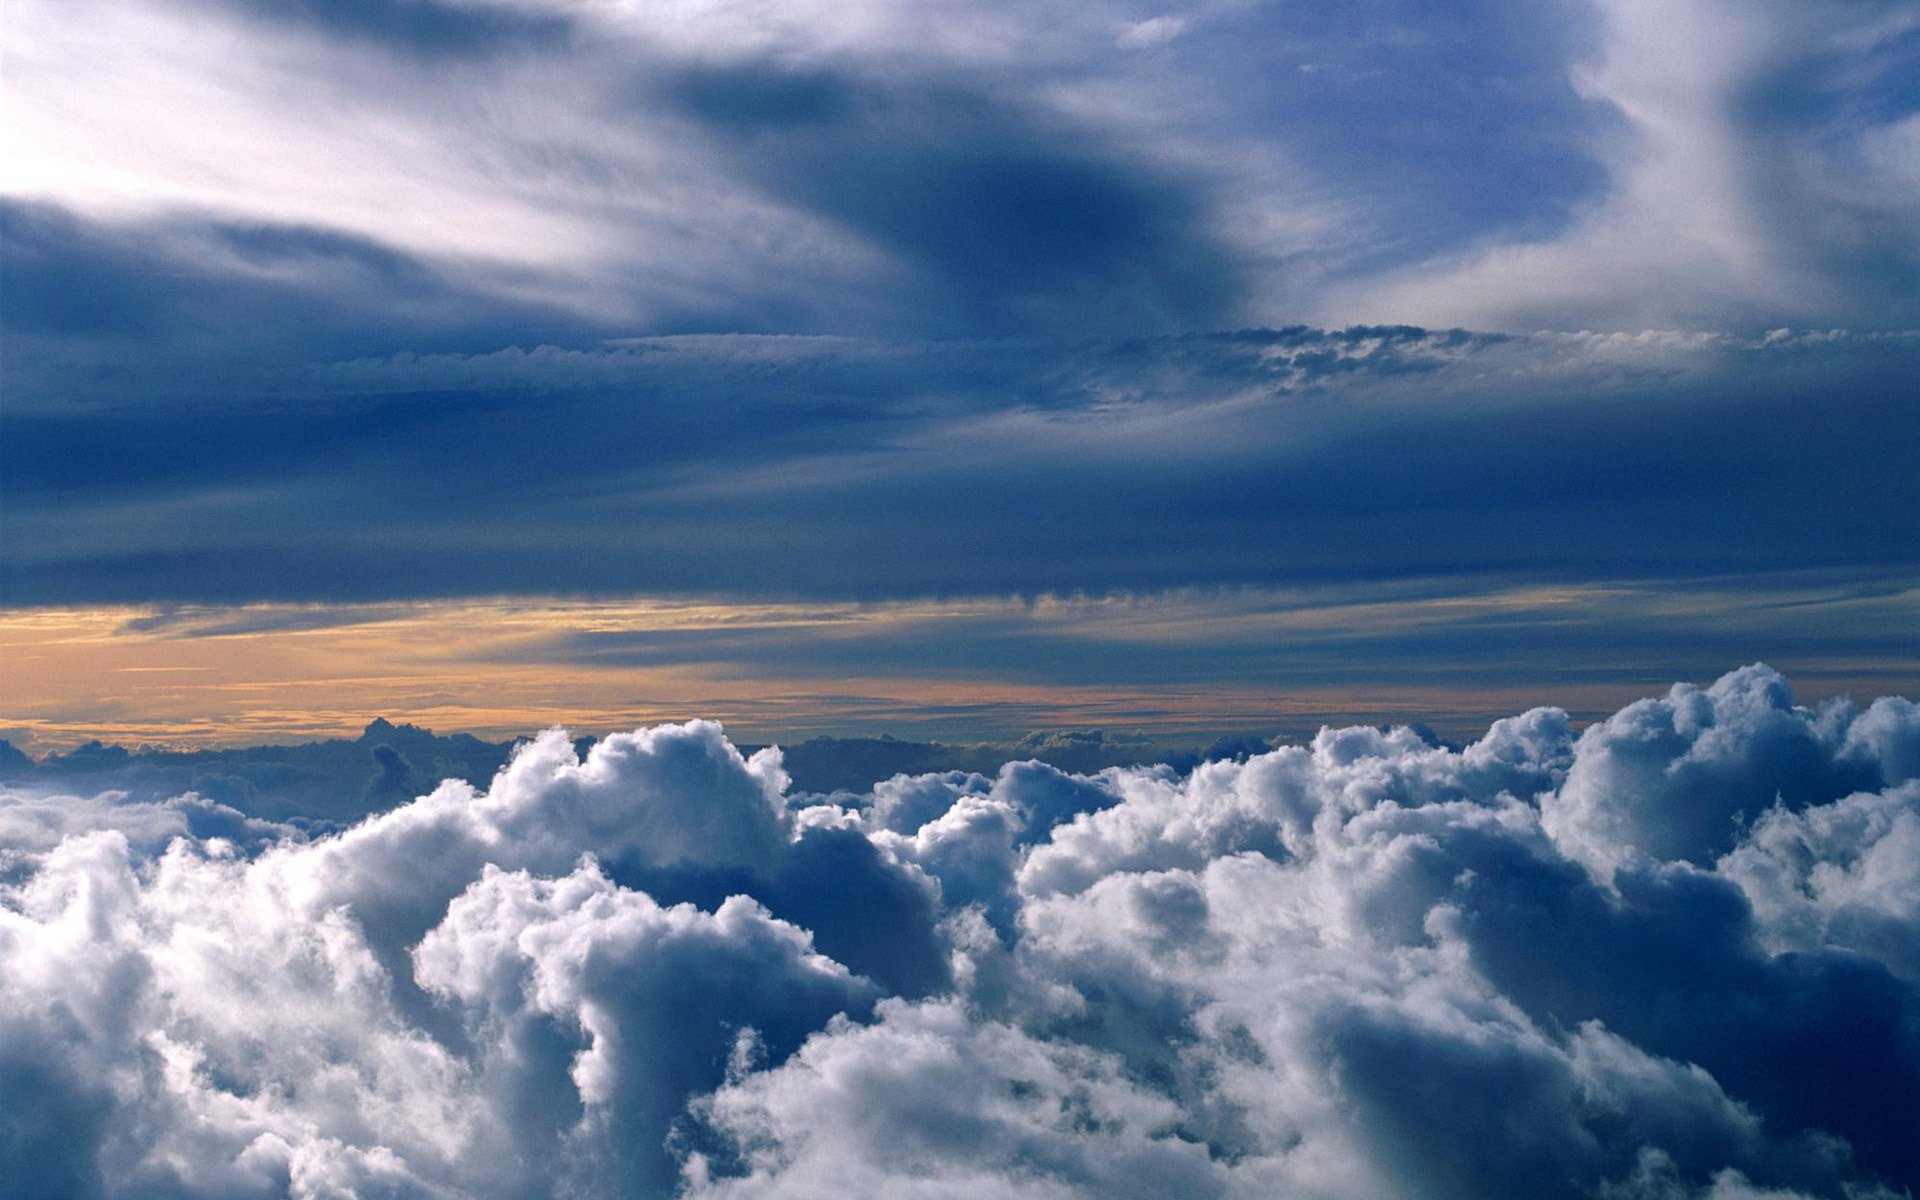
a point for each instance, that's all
(1446, 126)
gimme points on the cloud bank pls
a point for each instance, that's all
(1671, 956)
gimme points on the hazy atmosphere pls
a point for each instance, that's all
(726, 599)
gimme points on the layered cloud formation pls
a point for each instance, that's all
(1671, 956)
(762, 468)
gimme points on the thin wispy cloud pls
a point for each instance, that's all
(1179, 667)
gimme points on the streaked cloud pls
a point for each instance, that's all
(761, 468)
(1181, 667)
(354, 301)
(1607, 164)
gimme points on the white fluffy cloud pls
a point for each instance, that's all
(1676, 778)
(35, 820)
(1670, 956)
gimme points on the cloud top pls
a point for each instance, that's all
(1668, 956)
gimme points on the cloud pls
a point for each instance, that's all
(1369, 965)
(1840, 874)
(330, 784)
(929, 1101)
(425, 27)
(1675, 779)
(1747, 186)
(34, 820)
(1011, 222)
(898, 168)
(660, 998)
(268, 1023)
(1154, 31)
(774, 468)
(326, 784)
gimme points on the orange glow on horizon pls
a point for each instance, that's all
(255, 674)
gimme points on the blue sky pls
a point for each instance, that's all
(386, 300)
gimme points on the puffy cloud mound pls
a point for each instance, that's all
(1671, 957)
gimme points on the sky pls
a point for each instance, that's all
(725, 600)
(1590, 327)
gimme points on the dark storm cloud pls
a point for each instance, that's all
(1370, 964)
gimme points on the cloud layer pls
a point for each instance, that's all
(1669, 956)
(781, 467)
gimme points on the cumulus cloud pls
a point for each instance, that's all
(34, 820)
(1676, 778)
(1667, 956)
